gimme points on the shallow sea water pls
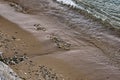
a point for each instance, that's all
(106, 10)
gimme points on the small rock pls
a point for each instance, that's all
(1, 56)
(38, 27)
(60, 43)
(13, 38)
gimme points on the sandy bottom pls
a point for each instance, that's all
(53, 50)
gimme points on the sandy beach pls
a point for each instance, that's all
(54, 48)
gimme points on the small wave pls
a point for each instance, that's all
(101, 9)
(67, 2)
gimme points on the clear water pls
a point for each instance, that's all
(107, 10)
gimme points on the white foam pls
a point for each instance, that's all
(68, 2)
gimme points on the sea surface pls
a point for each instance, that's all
(106, 10)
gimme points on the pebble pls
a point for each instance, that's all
(38, 27)
(48, 74)
(17, 7)
(13, 38)
(16, 59)
(60, 43)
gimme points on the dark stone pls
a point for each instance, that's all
(13, 38)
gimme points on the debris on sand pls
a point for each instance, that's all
(38, 27)
(17, 7)
(48, 74)
(13, 60)
(7, 43)
(60, 42)
(44, 73)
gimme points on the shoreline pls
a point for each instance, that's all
(82, 56)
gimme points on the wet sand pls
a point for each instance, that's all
(46, 46)
(26, 43)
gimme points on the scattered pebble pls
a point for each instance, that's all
(47, 74)
(60, 43)
(16, 59)
(18, 7)
(38, 27)
(44, 73)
